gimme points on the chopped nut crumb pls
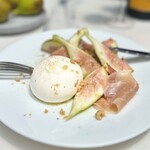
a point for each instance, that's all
(99, 114)
(72, 61)
(56, 85)
(17, 80)
(65, 67)
(81, 85)
(46, 111)
(56, 93)
(62, 112)
(77, 72)
(75, 85)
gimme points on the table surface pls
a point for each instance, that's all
(139, 31)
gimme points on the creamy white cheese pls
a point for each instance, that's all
(55, 79)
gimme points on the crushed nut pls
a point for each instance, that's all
(62, 112)
(65, 67)
(72, 61)
(77, 72)
(46, 111)
(17, 80)
(99, 114)
(75, 85)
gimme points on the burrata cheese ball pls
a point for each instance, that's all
(56, 79)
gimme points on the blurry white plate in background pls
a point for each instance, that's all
(20, 24)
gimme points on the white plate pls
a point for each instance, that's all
(20, 24)
(21, 112)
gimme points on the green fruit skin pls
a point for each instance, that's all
(29, 7)
(4, 10)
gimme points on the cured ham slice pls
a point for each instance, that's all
(88, 48)
(110, 43)
(60, 52)
(119, 90)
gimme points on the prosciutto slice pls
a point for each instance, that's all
(61, 52)
(119, 90)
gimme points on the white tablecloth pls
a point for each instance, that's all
(91, 14)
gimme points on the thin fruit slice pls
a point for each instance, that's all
(90, 90)
(75, 39)
(60, 52)
(109, 59)
(87, 63)
(50, 46)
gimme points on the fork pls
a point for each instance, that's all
(11, 70)
(130, 51)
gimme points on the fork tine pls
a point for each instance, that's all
(15, 65)
(25, 70)
(10, 70)
(14, 77)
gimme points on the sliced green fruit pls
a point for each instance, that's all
(87, 63)
(75, 39)
(51, 45)
(90, 90)
(109, 59)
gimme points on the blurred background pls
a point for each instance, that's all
(130, 18)
(108, 15)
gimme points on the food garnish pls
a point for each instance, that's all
(100, 114)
